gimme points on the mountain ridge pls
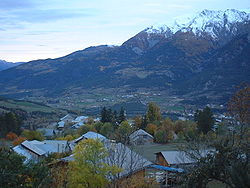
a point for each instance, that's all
(181, 64)
(6, 65)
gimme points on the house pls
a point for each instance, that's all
(140, 137)
(123, 157)
(77, 125)
(133, 165)
(179, 158)
(80, 119)
(165, 176)
(97, 119)
(67, 119)
(61, 125)
(90, 135)
(36, 150)
(49, 133)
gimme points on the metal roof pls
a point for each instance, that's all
(47, 132)
(22, 151)
(80, 118)
(77, 125)
(181, 157)
(125, 158)
(45, 147)
(68, 116)
(176, 157)
(121, 156)
(139, 132)
(90, 135)
(61, 124)
(30, 145)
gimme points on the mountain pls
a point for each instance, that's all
(216, 26)
(6, 65)
(202, 57)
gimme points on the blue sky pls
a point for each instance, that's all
(39, 29)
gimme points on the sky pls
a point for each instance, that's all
(40, 29)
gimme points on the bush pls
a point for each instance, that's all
(32, 135)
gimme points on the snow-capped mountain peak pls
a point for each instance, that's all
(207, 21)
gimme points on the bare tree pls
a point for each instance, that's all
(239, 108)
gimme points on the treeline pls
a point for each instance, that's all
(165, 129)
(10, 122)
(115, 125)
(108, 115)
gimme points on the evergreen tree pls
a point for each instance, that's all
(122, 116)
(205, 120)
(9, 122)
(144, 122)
(104, 115)
(109, 115)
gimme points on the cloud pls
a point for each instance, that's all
(16, 4)
(50, 15)
(18, 18)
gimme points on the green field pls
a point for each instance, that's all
(24, 105)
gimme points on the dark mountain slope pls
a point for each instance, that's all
(207, 60)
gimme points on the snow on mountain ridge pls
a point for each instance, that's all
(205, 21)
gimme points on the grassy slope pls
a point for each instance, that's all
(24, 105)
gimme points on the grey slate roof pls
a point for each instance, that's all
(67, 117)
(27, 148)
(32, 146)
(47, 132)
(80, 118)
(77, 125)
(90, 135)
(125, 158)
(22, 151)
(180, 157)
(138, 133)
(61, 124)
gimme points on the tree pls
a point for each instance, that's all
(122, 116)
(160, 136)
(14, 173)
(138, 181)
(179, 126)
(107, 115)
(239, 108)
(151, 128)
(88, 168)
(32, 135)
(11, 136)
(228, 164)
(144, 122)
(98, 126)
(104, 115)
(115, 118)
(107, 129)
(18, 140)
(9, 122)
(123, 132)
(153, 112)
(167, 124)
(205, 120)
(138, 121)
